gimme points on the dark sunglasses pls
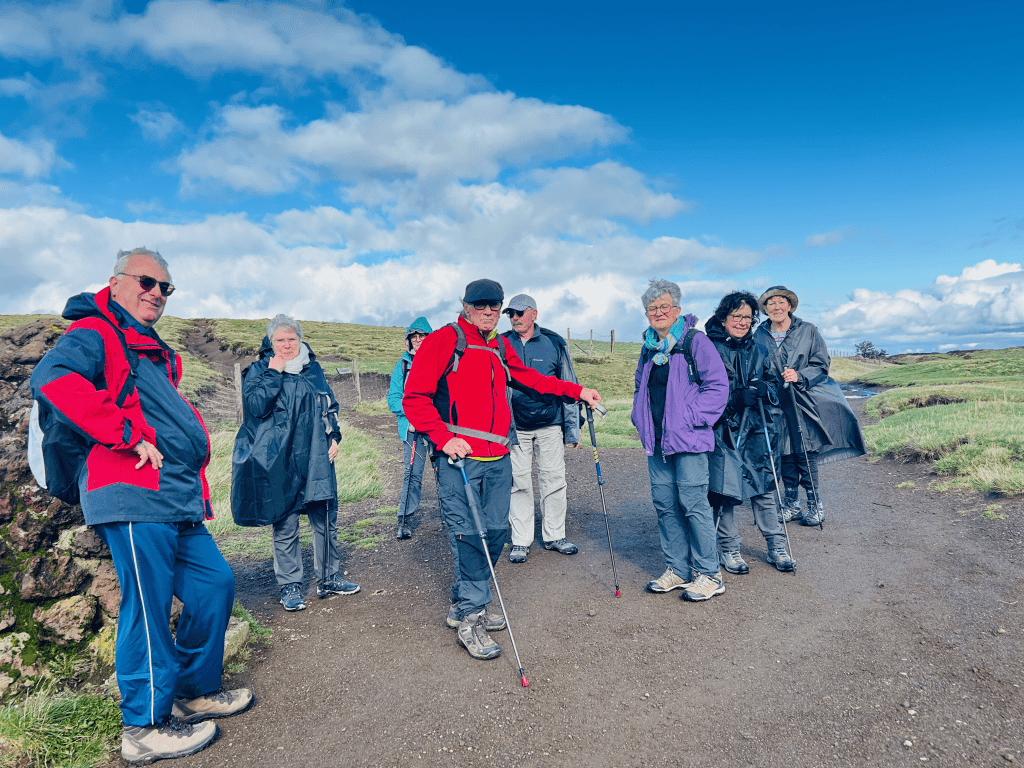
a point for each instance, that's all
(482, 305)
(149, 283)
(515, 312)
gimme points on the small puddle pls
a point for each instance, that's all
(855, 391)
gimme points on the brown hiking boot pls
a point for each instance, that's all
(144, 744)
(473, 637)
(213, 705)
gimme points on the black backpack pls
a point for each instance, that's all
(57, 451)
(685, 347)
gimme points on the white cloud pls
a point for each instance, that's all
(825, 239)
(28, 159)
(985, 300)
(157, 124)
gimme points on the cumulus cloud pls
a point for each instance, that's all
(157, 124)
(28, 159)
(985, 300)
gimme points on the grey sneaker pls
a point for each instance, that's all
(518, 554)
(336, 585)
(791, 511)
(780, 559)
(733, 562)
(493, 622)
(564, 546)
(213, 705)
(291, 597)
(144, 744)
(704, 587)
(472, 636)
(668, 581)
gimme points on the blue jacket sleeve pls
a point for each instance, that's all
(396, 390)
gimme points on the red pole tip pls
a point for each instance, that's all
(526, 683)
(617, 593)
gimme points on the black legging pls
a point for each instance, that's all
(795, 470)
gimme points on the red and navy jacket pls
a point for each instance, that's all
(80, 378)
(474, 396)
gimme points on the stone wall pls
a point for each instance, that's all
(58, 589)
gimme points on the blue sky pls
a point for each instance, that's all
(362, 162)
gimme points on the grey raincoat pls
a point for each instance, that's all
(280, 459)
(830, 426)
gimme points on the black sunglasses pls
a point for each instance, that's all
(515, 312)
(482, 305)
(149, 283)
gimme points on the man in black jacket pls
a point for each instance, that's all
(545, 424)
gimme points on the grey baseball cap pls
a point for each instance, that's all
(520, 302)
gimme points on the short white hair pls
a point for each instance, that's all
(123, 257)
(283, 321)
(659, 288)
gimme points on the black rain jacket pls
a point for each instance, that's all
(741, 464)
(829, 423)
(280, 459)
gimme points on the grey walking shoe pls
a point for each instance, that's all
(144, 744)
(472, 636)
(518, 554)
(815, 514)
(733, 562)
(781, 560)
(291, 597)
(564, 546)
(336, 585)
(493, 622)
(790, 508)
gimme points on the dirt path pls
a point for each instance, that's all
(902, 624)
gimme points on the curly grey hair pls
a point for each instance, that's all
(659, 288)
(123, 257)
(283, 321)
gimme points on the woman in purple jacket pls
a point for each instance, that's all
(680, 390)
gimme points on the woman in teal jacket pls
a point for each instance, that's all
(415, 447)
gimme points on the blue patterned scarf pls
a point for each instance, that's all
(664, 346)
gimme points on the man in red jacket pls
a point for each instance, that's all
(457, 394)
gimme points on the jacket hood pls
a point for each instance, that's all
(267, 349)
(715, 330)
(419, 324)
(101, 305)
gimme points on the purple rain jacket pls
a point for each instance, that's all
(690, 410)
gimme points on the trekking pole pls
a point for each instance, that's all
(771, 460)
(803, 444)
(461, 464)
(600, 484)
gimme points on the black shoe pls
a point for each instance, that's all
(564, 546)
(815, 514)
(402, 531)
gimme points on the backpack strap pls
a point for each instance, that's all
(687, 350)
(461, 346)
(133, 364)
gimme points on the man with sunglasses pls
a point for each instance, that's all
(144, 491)
(457, 394)
(544, 426)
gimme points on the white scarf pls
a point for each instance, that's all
(300, 361)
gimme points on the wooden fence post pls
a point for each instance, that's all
(611, 349)
(238, 391)
(355, 371)
(568, 334)
(591, 342)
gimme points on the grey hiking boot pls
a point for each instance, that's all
(493, 622)
(668, 581)
(564, 546)
(518, 554)
(291, 597)
(144, 744)
(733, 562)
(336, 585)
(781, 560)
(815, 514)
(213, 705)
(472, 636)
(791, 508)
(704, 587)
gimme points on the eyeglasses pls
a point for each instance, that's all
(515, 312)
(479, 306)
(660, 309)
(417, 336)
(742, 319)
(149, 283)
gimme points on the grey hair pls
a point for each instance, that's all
(283, 321)
(659, 288)
(123, 256)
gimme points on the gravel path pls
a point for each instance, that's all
(898, 641)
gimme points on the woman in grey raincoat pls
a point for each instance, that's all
(283, 462)
(814, 406)
(744, 464)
